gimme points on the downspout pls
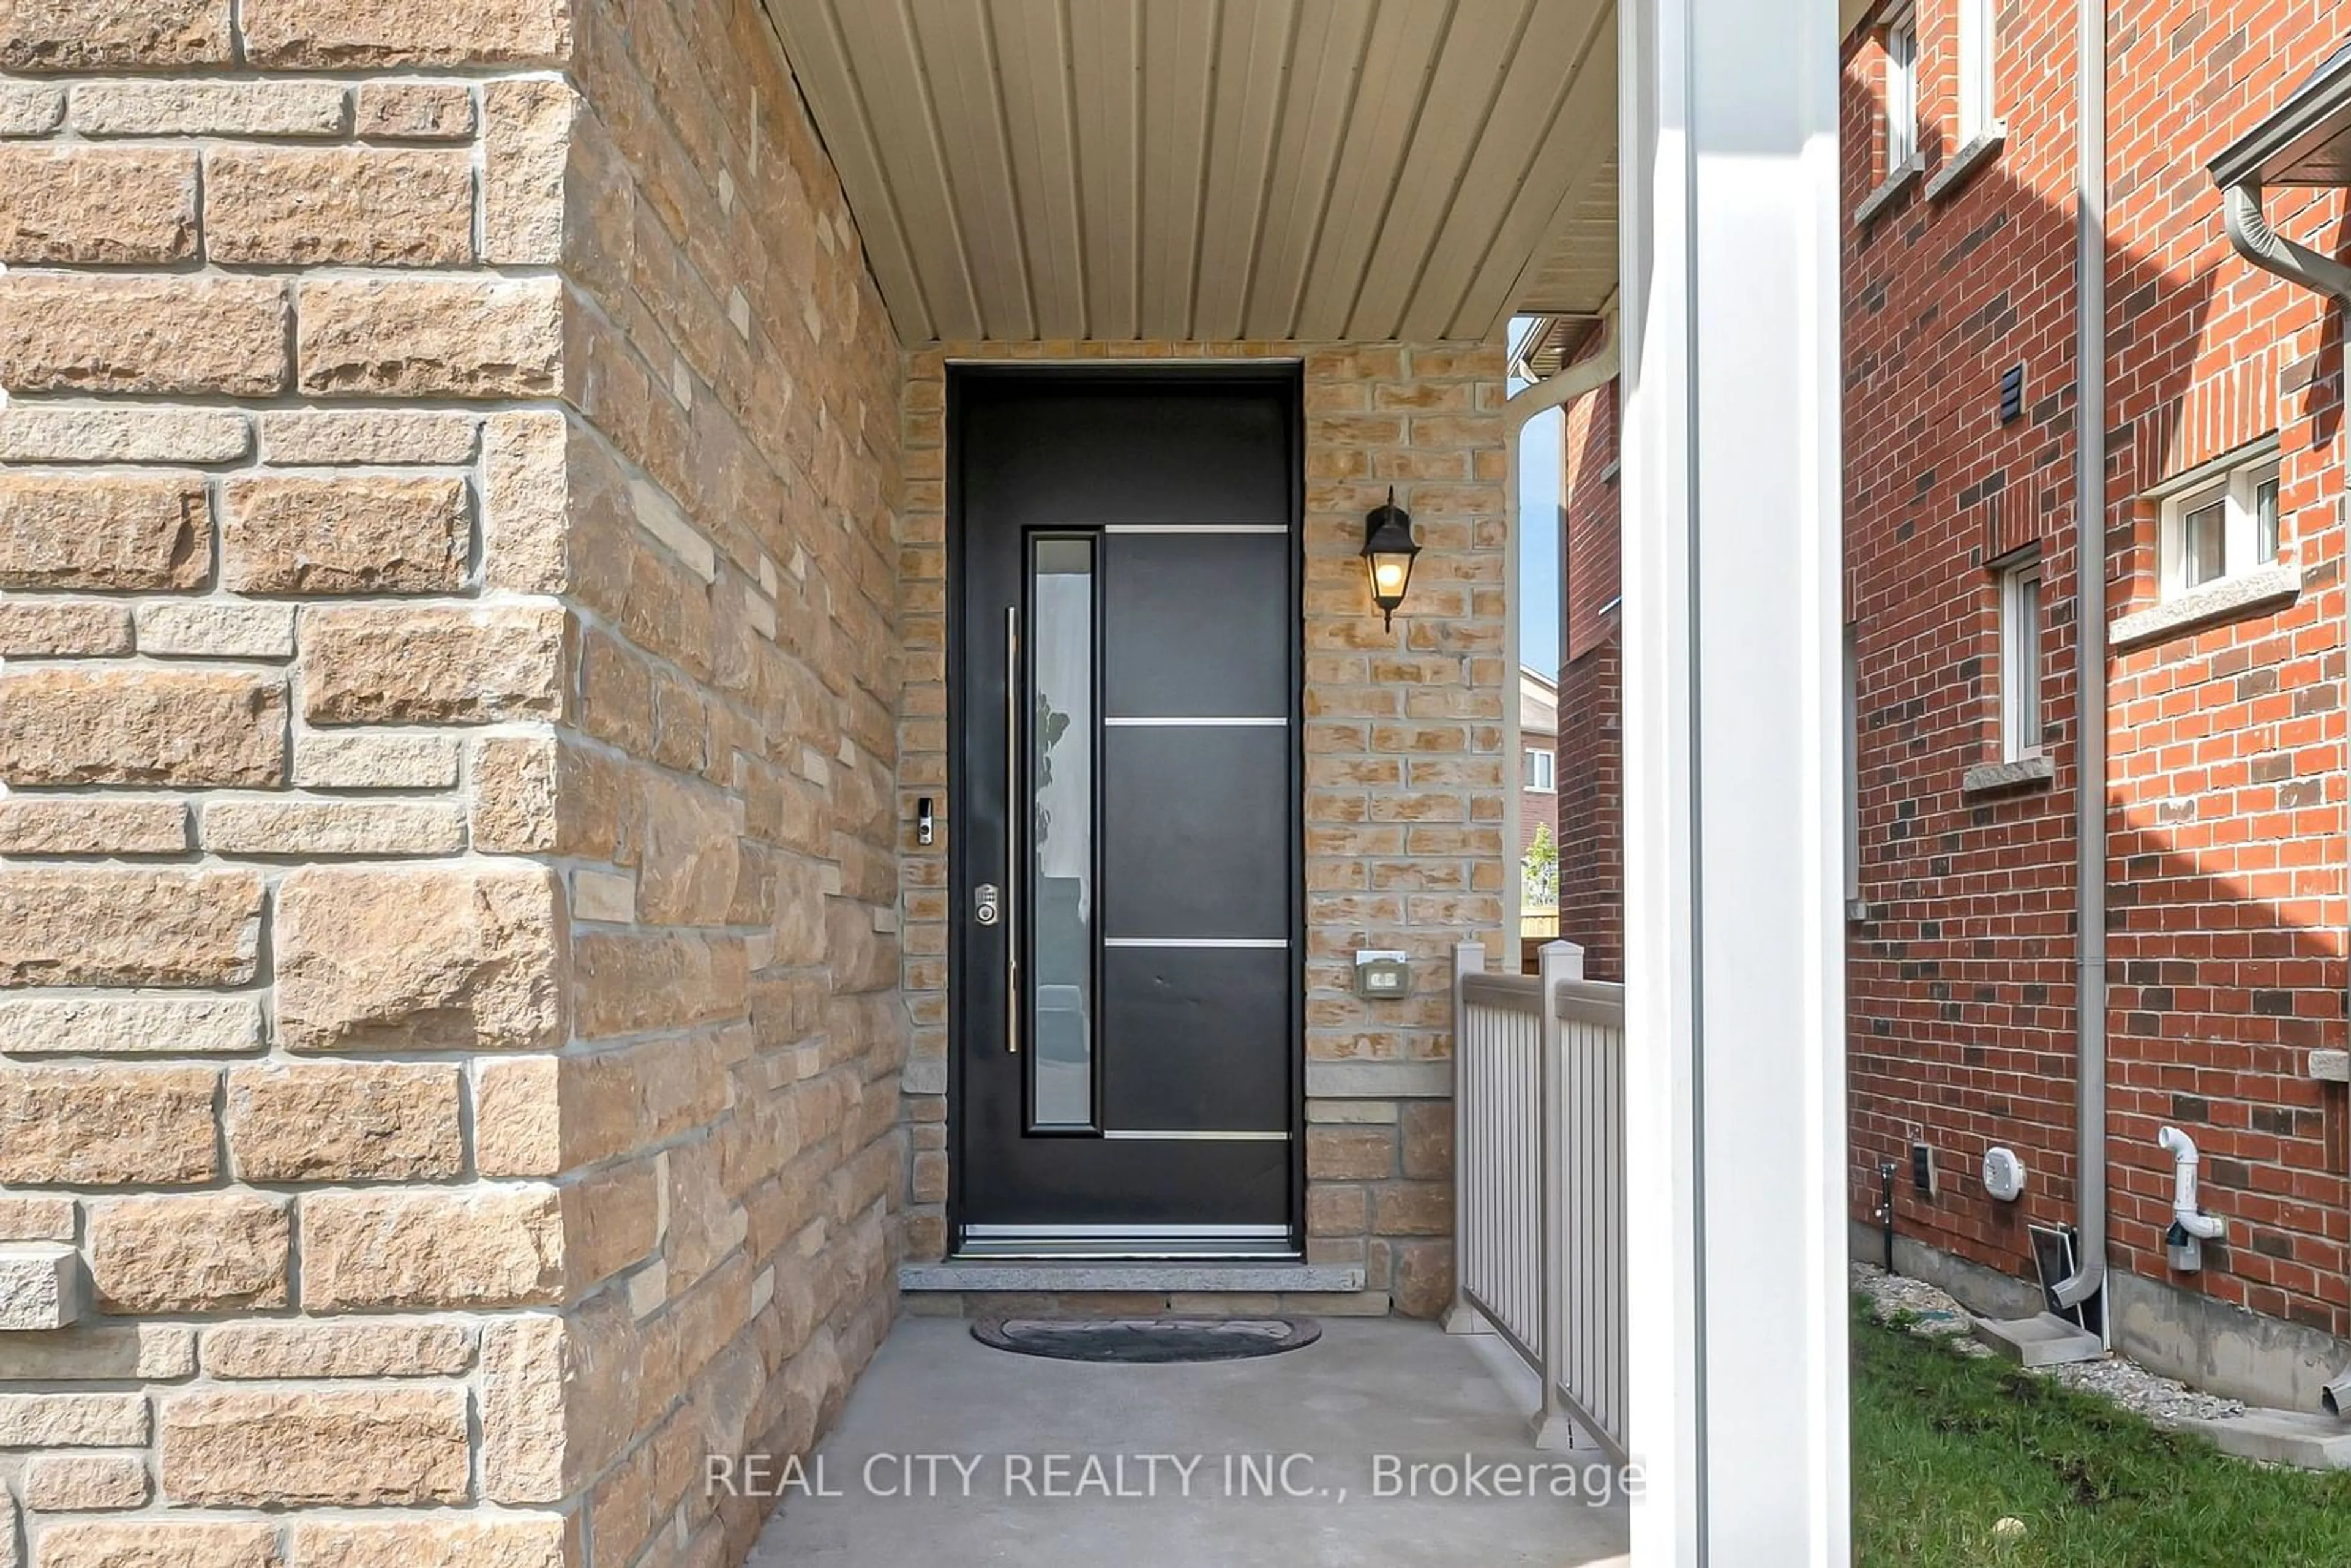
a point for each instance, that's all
(1569, 383)
(2250, 232)
(2089, 1277)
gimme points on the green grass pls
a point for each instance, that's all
(1945, 1445)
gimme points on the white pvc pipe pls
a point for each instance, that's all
(2182, 1150)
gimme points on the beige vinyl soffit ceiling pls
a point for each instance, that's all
(1219, 168)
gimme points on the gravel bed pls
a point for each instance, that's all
(1933, 1314)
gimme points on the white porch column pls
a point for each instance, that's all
(1733, 930)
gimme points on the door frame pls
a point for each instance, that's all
(960, 374)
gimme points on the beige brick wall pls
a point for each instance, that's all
(447, 899)
(1406, 763)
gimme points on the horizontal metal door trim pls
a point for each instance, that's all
(989, 1232)
(1197, 1136)
(1175, 722)
(1195, 941)
(1195, 527)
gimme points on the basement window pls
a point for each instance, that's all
(2225, 527)
(2019, 660)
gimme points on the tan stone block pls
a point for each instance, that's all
(98, 35)
(626, 983)
(434, 663)
(529, 1541)
(365, 534)
(393, 111)
(216, 629)
(103, 925)
(1350, 1153)
(615, 1219)
(209, 108)
(84, 1483)
(30, 108)
(1428, 1140)
(526, 1363)
(344, 1121)
(601, 895)
(97, 206)
(119, 724)
(161, 1544)
(1420, 1277)
(127, 333)
(314, 1447)
(368, 760)
(73, 1420)
(112, 531)
(40, 1287)
(44, 628)
(519, 1116)
(188, 1253)
(390, 1348)
(527, 481)
(115, 433)
(526, 138)
(358, 206)
(692, 856)
(345, 34)
(33, 825)
(128, 1026)
(444, 337)
(468, 956)
(332, 437)
(86, 1353)
(36, 1217)
(516, 783)
(322, 828)
(1413, 1209)
(469, 1246)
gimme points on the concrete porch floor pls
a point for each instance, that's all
(1369, 1387)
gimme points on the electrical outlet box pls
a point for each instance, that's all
(1382, 975)
(1922, 1168)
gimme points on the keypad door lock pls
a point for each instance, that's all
(988, 905)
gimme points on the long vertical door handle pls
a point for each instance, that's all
(1014, 806)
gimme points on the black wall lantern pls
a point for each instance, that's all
(1388, 549)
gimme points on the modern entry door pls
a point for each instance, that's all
(1127, 860)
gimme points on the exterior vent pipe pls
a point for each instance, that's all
(2089, 1276)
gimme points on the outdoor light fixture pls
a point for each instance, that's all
(1388, 549)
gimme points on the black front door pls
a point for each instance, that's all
(1126, 862)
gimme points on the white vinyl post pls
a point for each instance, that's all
(1561, 962)
(1734, 1097)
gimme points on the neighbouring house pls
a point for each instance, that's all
(1538, 806)
(658, 655)
(2218, 692)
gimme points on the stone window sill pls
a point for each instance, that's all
(1899, 179)
(2025, 773)
(2268, 588)
(2330, 1066)
(1963, 164)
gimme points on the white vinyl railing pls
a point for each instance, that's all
(1538, 1182)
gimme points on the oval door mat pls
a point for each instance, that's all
(1146, 1341)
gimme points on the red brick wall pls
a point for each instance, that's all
(1591, 802)
(2224, 787)
(2226, 778)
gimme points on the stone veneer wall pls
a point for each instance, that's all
(1407, 775)
(447, 1057)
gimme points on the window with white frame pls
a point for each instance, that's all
(2019, 660)
(1901, 88)
(1979, 107)
(1540, 774)
(2222, 527)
